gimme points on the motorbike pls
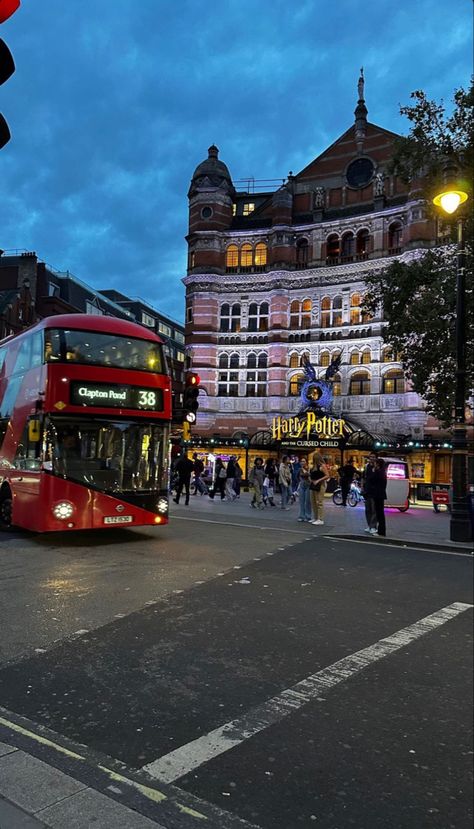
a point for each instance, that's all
(353, 498)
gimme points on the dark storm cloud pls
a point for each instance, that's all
(114, 103)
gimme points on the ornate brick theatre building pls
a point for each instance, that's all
(276, 277)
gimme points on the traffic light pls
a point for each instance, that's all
(191, 394)
(7, 64)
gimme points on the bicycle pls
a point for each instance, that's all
(353, 498)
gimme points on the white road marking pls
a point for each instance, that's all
(268, 528)
(401, 546)
(191, 756)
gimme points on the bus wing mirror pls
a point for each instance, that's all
(34, 431)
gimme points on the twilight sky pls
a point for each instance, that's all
(115, 102)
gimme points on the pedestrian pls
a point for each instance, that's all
(318, 474)
(184, 468)
(368, 493)
(230, 479)
(347, 472)
(284, 479)
(304, 493)
(269, 482)
(237, 477)
(200, 486)
(256, 478)
(379, 489)
(220, 477)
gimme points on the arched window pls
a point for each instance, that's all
(228, 380)
(337, 311)
(366, 356)
(223, 361)
(325, 312)
(263, 320)
(246, 256)
(295, 385)
(306, 313)
(302, 252)
(395, 237)
(304, 358)
(355, 358)
(258, 317)
(232, 257)
(393, 382)
(348, 246)
(252, 361)
(336, 385)
(225, 318)
(333, 247)
(360, 383)
(262, 361)
(234, 361)
(356, 300)
(235, 318)
(294, 360)
(261, 254)
(362, 244)
(324, 358)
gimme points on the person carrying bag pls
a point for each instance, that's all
(318, 475)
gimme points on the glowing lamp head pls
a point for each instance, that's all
(450, 200)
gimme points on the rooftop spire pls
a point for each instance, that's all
(360, 113)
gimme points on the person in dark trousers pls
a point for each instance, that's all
(368, 494)
(347, 472)
(184, 468)
(269, 490)
(198, 470)
(379, 488)
(220, 477)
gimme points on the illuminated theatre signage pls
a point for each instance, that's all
(308, 427)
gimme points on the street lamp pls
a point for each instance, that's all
(460, 528)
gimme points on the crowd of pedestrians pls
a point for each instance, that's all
(290, 479)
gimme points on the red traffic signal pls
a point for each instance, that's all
(192, 379)
(7, 8)
(7, 64)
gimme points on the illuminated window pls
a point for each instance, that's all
(300, 314)
(294, 361)
(306, 313)
(249, 207)
(325, 312)
(366, 357)
(234, 209)
(356, 300)
(393, 382)
(232, 256)
(295, 314)
(164, 329)
(360, 383)
(246, 256)
(355, 358)
(295, 385)
(336, 386)
(325, 358)
(337, 311)
(261, 254)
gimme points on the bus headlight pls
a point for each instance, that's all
(162, 505)
(63, 510)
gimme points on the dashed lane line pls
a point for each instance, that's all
(400, 546)
(187, 758)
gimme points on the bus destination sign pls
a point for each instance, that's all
(116, 397)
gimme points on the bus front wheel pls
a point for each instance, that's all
(6, 509)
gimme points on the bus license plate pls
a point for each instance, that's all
(118, 519)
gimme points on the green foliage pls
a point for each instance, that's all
(419, 299)
(419, 304)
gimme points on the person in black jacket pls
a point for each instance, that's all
(379, 489)
(368, 494)
(347, 472)
(184, 468)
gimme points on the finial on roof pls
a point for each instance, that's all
(360, 113)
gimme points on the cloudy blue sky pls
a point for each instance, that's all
(115, 102)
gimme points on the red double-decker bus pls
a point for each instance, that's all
(85, 408)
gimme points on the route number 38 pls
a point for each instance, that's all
(147, 398)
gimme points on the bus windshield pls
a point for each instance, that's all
(98, 349)
(112, 456)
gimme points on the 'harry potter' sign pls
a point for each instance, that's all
(310, 424)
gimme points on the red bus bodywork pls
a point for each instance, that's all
(31, 487)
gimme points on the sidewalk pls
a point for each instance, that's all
(420, 524)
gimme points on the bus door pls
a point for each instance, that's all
(25, 477)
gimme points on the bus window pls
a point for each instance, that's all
(36, 349)
(23, 360)
(96, 348)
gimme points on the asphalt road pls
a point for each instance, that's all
(220, 619)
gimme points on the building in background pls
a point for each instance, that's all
(277, 274)
(31, 290)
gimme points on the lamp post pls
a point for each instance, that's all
(460, 527)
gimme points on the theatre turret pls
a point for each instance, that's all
(210, 197)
